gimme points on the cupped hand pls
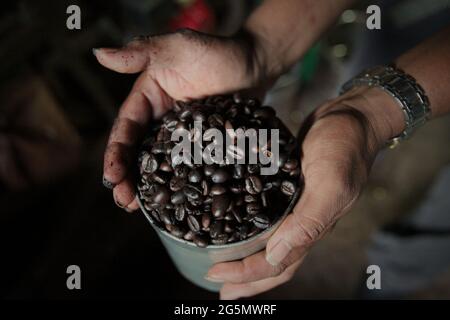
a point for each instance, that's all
(176, 66)
(339, 143)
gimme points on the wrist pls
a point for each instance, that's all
(380, 109)
(265, 57)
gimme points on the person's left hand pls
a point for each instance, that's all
(340, 142)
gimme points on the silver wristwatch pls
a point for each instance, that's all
(403, 88)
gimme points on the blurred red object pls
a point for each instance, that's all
(195, 14)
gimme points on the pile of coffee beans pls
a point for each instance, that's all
(216, 203)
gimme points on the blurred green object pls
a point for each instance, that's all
(309, 63)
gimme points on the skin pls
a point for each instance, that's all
(339, 141)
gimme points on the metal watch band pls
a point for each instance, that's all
(403, 88)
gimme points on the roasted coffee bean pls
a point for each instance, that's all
(206, 221)
(264, 112)
(253, 208)
(155, 214)
(282, 159)
(185, 114)
(216, 228)
(206, 188)
(177, 232)
(264, 199)
(181, 171)
(253, 168)
(165, 166)
(215, 120)
(233, 111)
(176, 183)
(220, 239)
(189, 207)
(153, 205)
(228, 227)
(220, 205)
(163, 135)
(149, 163)
(218, 189)
(200, 241)
(238, 171)
(288, 188)
(229, 217)
(237, 215)
(242, 231)
(261, 221)
(193, 223)
(208, 200)
(208, 170)
(161, 195)
(189, 236)
(267, 186)
(181, 125)
(196, 202)
(158, 147)
(236, 187)
(192, 192)
(253, 231)
(248, 198)
(232, 238)
(206, 207)
(276, 183)
(168, 147)
(160, 177)
(195, 176)
(199, 116)
(178, 197)
(295, 172)
(167, 217)
(253, 184)
(239, 200)
(180, 212)
(290, 165)
(170, 206)
(171, 124)
(220, 176)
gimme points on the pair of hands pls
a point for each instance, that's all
(339, 141)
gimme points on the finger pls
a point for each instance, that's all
(231, 291)
(252, 268)
(129, 59)
(133, 116)
(125, 195)
(315, 213)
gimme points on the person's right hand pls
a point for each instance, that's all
(176, 66)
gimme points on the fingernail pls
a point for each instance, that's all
(94, 51)
(108, 184)
(278, 253)
(213, 279)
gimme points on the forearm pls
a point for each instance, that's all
(285, 29)
(429, 64)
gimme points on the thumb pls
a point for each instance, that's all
(315, 213)
(129, 59)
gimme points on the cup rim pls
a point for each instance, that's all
(230, 245)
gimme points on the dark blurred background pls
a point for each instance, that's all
(56, 108)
